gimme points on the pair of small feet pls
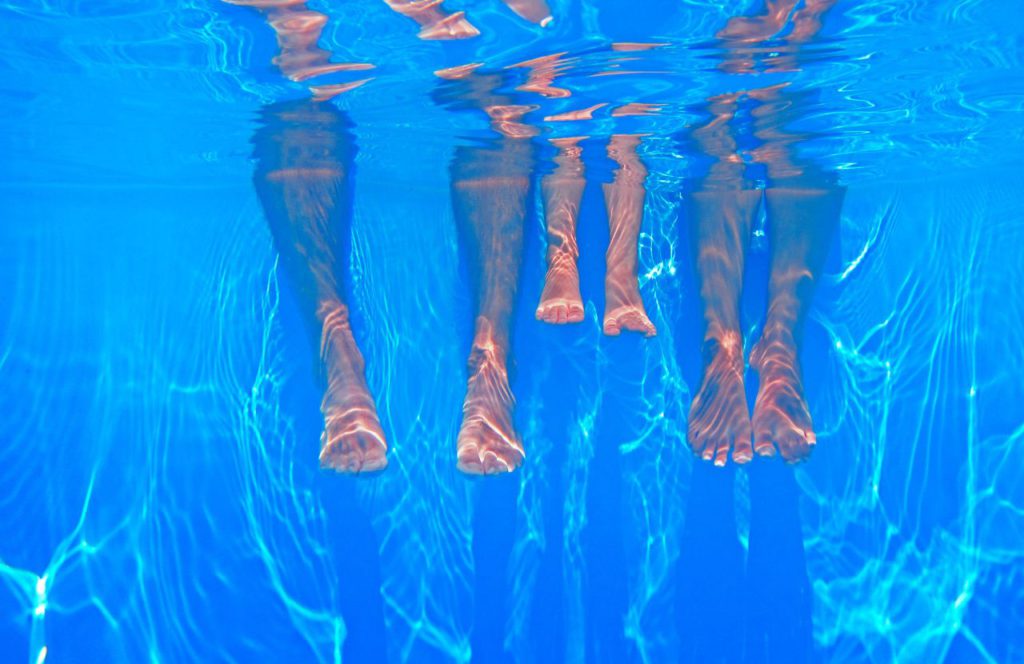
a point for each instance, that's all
(561, 302)
(719, 422)
(353, 440)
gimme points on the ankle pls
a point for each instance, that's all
(724, 346)
(776, 349)
(562, 259)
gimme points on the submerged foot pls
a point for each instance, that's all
(719, 421)
(487, 442)
(561, 302)
(352, 440)
(781, 418)
(624, 308)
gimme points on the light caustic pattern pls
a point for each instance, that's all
(160, 424)
(186, 500)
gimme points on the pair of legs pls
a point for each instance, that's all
(560, 300)
(802, 207)
(304, 155)
(801, 219)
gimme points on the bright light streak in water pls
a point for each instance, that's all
(160, 417)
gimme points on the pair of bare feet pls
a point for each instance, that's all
(353, 440)
(719, 422)
(561, 302)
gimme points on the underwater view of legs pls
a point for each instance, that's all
(719, 423)
(624, 204)
(560, 301)
(624, 199)
(801, 225)
(490, 181)
(512, 331)
(304, 154)
(720, 212)
(489, 187)
(747, 130)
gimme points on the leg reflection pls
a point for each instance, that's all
(489, 187)
(304, 153)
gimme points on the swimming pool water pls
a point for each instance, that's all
(159, 406)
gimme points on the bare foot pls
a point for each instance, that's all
(561, 302)
(487, 442)
(719, 421)
(352, 441)
(781, 418)
(623, 306)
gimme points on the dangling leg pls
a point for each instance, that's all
(624, 198)
(489, 190)
(721, 214)
(719, 421)
(561, 302)
(801, 220)
(303, 178)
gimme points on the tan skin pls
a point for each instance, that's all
(303, 153)
(802, 210)
(304, 182)
(562, 190)
(489, 190)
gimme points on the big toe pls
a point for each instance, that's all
(742, 451)
(796, 444)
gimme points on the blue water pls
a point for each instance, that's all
(161, 496)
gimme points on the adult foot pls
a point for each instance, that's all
(487, 442)
(352, 440)
(781, 418)
(719, 421)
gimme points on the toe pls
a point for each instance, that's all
(494, 464)
(469, 462)
(742, 451)
(763, 443)
(722, 453)
(794, 447)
